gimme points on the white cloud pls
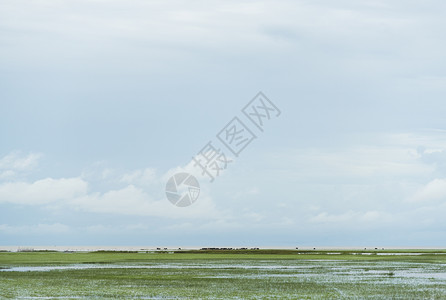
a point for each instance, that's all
(7, 174)
(376, 158)
(140, 177)
(351, 164)
(352, 217)
(391, 164)
(15, 163)
(424, 83)
(42, 191)
(142, 195)
(253, 216)
(325, 217)
(218, 26)
(132, 200)
(55, 228)
(252, 191)
(434, 190)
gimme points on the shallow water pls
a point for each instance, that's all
(164, 279)
(153, 266)
(327, 269)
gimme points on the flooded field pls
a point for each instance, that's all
(229, 276)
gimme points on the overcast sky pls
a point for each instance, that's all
(102, 101)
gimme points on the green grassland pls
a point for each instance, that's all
(217, 274)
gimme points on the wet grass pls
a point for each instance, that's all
(204, 275)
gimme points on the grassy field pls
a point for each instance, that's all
(245, 274)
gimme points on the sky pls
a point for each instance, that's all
(101, 102)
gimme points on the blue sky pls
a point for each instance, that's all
(102, 101)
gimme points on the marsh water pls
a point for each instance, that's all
(325, 269)
(393, 278)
